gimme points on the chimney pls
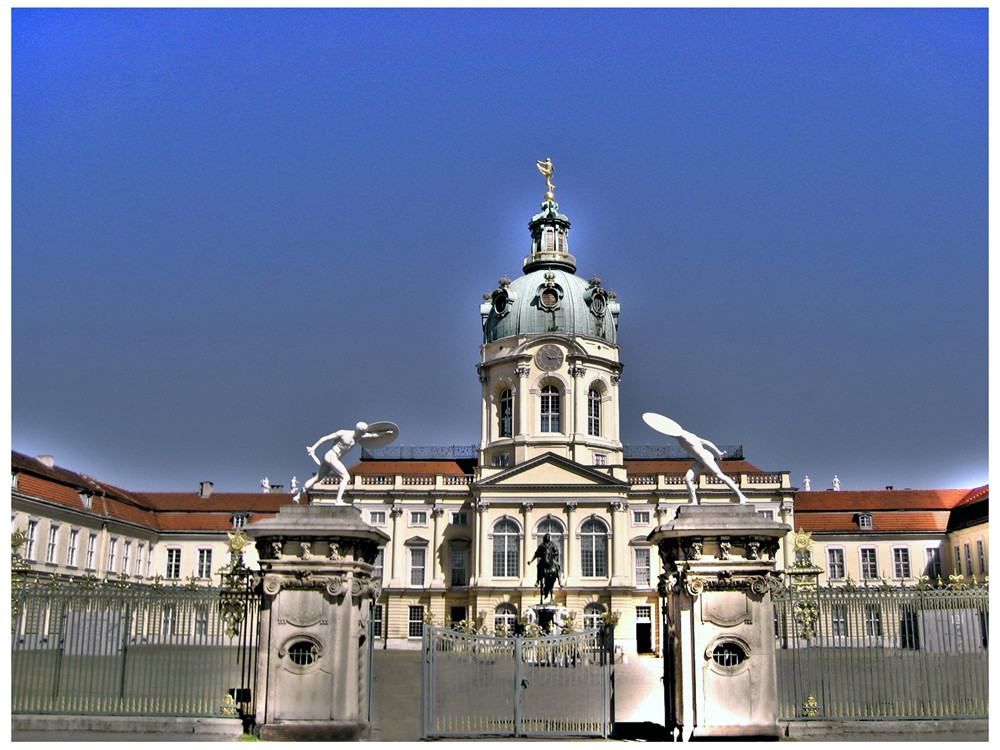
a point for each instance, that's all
(277, 489)
(888, 486)
(205, 489)
(49, 461)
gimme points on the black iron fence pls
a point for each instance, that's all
(883, 652)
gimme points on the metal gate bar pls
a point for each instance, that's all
(516, 686)
(874, 653)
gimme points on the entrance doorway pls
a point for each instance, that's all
(644, 629)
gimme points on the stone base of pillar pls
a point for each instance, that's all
(315, 731)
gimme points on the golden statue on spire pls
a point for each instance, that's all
(546, 168)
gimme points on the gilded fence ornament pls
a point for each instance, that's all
(810, 706)
(805, 614)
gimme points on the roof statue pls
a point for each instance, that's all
(806, 484)
(836, 483)
(546, 168)
(698, 448)
(377, 435)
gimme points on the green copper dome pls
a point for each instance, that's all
(550, 298)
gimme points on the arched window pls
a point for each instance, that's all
(593, 616)
(506, 413)
(506, 555)
(557, 534)
(594, 549)
(504, 618)
(593, 412)
(550, 409)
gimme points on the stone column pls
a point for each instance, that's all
(571, 546)
(526, 547)
(397, 566)
(522, 395)
(313, 655)
(719, 662)
(482, 560)
(619, 544)
(437, 577)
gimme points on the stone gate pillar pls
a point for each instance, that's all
(719, 663)
(313, 666)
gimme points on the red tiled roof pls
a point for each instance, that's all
(680, 466)
(883, 522)
(974, 496)
(408, 467)
(218, 502)
(872, 500)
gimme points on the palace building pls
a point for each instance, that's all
(465, 521)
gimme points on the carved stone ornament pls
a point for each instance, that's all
(694, 585)
(765, 584)
(696, 549)
(724, 549)
(306, 550)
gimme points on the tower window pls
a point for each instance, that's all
(506, 413)
(550, 409)
(593, 412)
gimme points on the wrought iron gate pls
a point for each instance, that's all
(883, 653)
(560, 685)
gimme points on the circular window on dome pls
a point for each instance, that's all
(303, 653)
(500, 304)
(548, 298)
(729, 654)
(598, 304)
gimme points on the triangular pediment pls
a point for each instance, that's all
(552, 471)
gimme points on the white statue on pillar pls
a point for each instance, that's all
(698, 449)
(375, 436)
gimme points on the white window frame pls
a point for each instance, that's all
(30, 538)
(126, 555)
(767, 513)
(593, 615)
(601, 459)
(866, 521)
(415, 625)
(550, 409)
(417, 519)
(173, 564)
(91, 551)
(460, 518)
(958, 560)
(595, 569)
(52, 548)
(460, 551)
(112, 554)
(981, 554)
(643, 569)
(861, 559)
(637, 519)
(376, 517)
(504, 618)
(902, 567)
(594, 400)
(842, 562)
(933, 565)
(508, 569)
(413, 577)
(137, 572)
(73, 547)
(378, 567)
(201, 571)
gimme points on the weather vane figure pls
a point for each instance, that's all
(698, 449)
(546, 168)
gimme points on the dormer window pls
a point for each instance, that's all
(865, 521)
(240, 521)
(86, 498)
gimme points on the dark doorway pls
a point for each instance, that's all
(644, 637)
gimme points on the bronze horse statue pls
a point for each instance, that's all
(548, 566)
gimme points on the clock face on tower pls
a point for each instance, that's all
(549, 357)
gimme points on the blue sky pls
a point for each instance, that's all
(234, 231)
